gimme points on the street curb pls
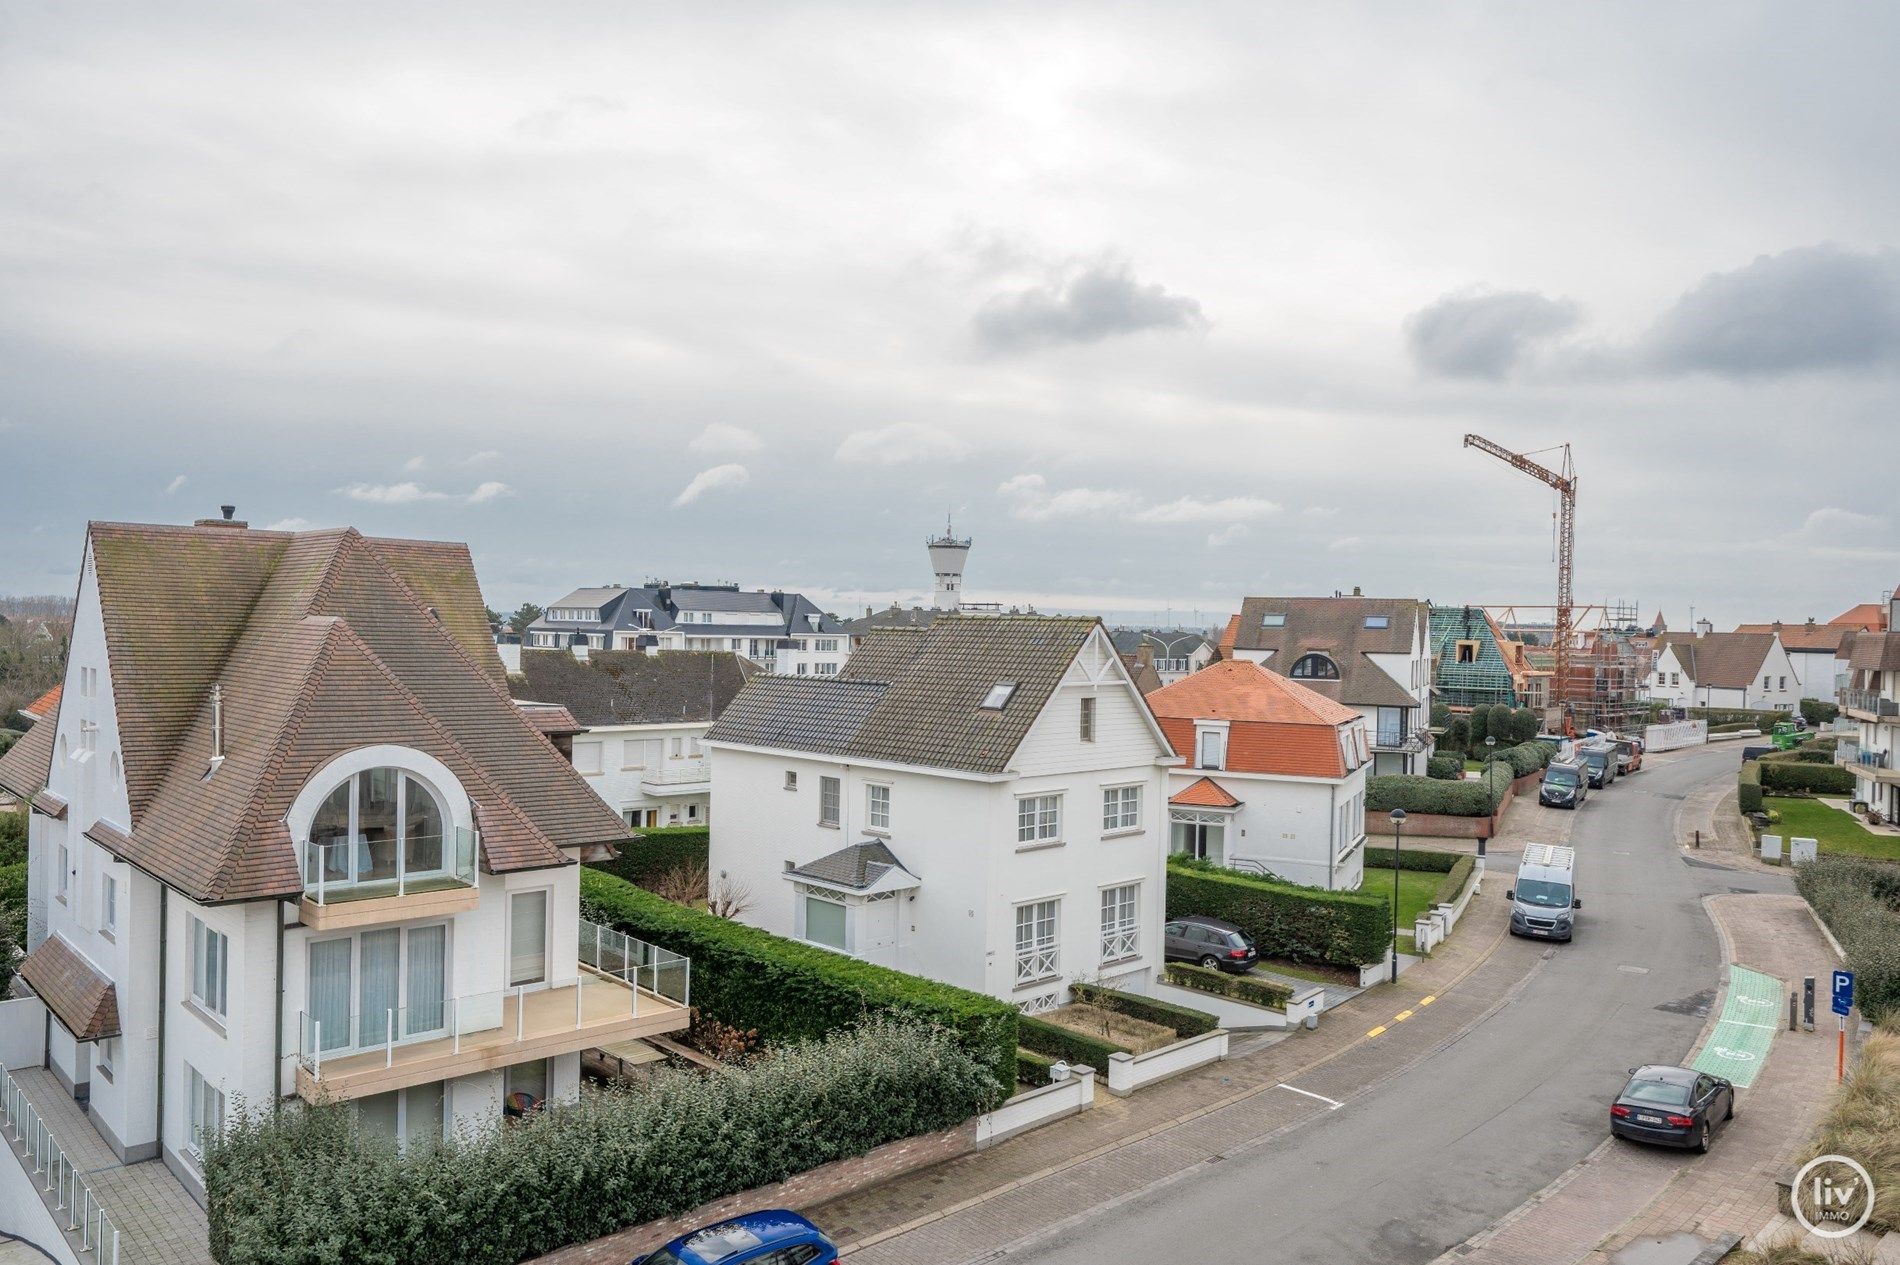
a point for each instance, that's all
(1827, 935)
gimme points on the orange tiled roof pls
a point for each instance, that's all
(45, 705)
(1868, 616)
(1275, 725)
(1205, 793)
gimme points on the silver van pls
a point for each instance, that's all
(1544, 901)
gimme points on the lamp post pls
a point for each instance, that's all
(1490, 745)
(1398, 826)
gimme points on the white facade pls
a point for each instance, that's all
(1773, 686)
(1309, 830)
(652, 775)
(1819, 673)
(1400, 741)
(1021, 881)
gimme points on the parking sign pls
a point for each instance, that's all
(1843, 992)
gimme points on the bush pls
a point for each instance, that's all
(1043, 1037)
(1748, 787)
(656, 851)
(1242, 988)
(1497, 779)
(1480, 722)
(1457, 735)
(1456, 879)
(12, 836)
(1304, 924)
(1186, 1021)
(1780, 776)
(1497, 722)
(1446, 768)
(1818, 713)
(1414, 859)
(789, 991)
(1859, 900)
(1861, 1122)
(1033, 1068)
(309, 1187)
(1426, 795)
(1738, 718)
(1441, 715)
(1524, 758)
(1525, 725)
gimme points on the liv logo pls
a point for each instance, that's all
(1832, 1196)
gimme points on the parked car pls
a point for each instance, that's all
(1564, 786)
(1672, 1106)
(1209, 942)
(1629, 755)
(775, 1237)
(1599, 762)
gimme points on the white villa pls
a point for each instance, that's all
(1748, 671)
(778, 631)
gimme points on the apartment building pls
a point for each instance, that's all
(778, 631)
(1870, 699)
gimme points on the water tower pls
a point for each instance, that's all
(947, 556)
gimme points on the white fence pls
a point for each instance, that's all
(1072, 1090)
(74, 1205)
(1688, 733)
(1240, 1016)
(1434, 926)
(1129, 1072)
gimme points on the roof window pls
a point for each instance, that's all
(1378, 621)
(1273, 621)
(1000, 694)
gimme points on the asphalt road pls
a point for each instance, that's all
(1418, 1164)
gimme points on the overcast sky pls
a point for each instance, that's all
(1167, 304)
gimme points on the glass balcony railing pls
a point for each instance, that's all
(647, 967)
(361, 868)
(1870, 702)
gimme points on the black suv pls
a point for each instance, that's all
(1209, 942)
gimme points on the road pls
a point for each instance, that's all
(1419, 1163)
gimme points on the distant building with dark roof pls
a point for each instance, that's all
(778, 631)
(1176, 652)
(1741, 670)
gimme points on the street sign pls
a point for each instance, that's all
(1843, 992)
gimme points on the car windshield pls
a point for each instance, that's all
(1595, 757)
(1561, 777)
(661, 1257)
(1542, 892)
(1661, 1093)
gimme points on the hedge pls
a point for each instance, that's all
(1748, 787)
(1413, 859)
(1446, 768)
(789, 991)
(658, 850)
(1426, 795)
(1525, 758)
(1778, 776)
(1859, 900)
(1818, 713)
(1496, 781)
(1452, 886)
(1033, 1068)
(12, 836)
(1741, 718)
(1058, 1042)
(1185, 1020)
(311, 1187)
(1242, 988)
(1304, 924)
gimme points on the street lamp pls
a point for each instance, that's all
(1490, 745)
(1398, 826)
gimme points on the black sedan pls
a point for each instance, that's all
(1210, 943)
(1672, 1106)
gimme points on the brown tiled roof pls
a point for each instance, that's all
(82, 999)
(1805, 636)
(1146, 679)
(1336, 628)
(29, 762)
(50, 804)
(1727, 661)
(550, 718)
(1872, 652)
(631, 687)
(322, 642)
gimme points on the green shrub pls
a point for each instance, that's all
(1033, 1068)
(1446, 768)
(1818, 713)
(1457, 735)
(789, 991)
(1242, 988)
(1778, 777)
(1058, 1042)
(1304, 924)
(1441, 715)
(657, 850)
(1859, 900)
(1497, 722)
(1497, 779)
(1428, 859)
(12, 836)
(12, 917)
(1186, 1021)
(1729, 719)
(1525, 725)
(1748, 787)
(1525, 758)
(1480, 722)
(310, 1187)
(1456, 879)
(1426, 795)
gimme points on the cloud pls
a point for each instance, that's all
(1189, 509)
(901, 443)
(1482, 334)
(412, 493)
(414, 464)
(729, 475)
(289, 524)
(481, 458)
(174, 485)
(489, 491)
(1035, 503)
(724, 440)
(1228, 535)
(1814, 307)
(1101, 300)
(1345, 542)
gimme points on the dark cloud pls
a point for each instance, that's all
(1485, 335)
(1815, 307)
(1101, 301)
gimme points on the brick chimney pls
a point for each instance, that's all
(229, 519)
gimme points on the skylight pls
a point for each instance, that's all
(1378, 621)
(999, 695)
(1273, 621)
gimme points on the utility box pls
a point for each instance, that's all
(1801, 851)
(1771, 849)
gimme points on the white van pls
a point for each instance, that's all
(1544, 900)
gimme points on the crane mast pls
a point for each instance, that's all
(1564, 481)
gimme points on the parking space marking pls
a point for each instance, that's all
(1332, 1104)
(1376, 1031)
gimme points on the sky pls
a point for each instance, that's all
(1165, 304)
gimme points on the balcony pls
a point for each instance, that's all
(360, 881)
(626, 989)
(1868, 705)
(1388, 739)
(687, 776)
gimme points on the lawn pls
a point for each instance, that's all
(1835, 830)
(1415, 893)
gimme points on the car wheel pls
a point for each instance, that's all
(1730, 1113)
(1702, 1139)
(1209, 961)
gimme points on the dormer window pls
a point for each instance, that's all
(379, 826)
(998, 697)
(1273, 621)
(1314, 667)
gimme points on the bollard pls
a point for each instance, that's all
(1807, 1003)
(1793, 1013)
(1698, 838)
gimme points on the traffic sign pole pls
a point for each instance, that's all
(1843, 1003)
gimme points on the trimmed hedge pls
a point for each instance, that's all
(657, 850)
(312, 1187)
(1739, 718)
(1780, 776)
(1525, 758)
(1242, 988)
(1452, 886)
(1185, 1020)
(1033, 1068)
(1426, 795)
(1497, 779)
(1748, 787)
(1304, 924)
(1446, 768)
(789, 991)
(1818, 713)
(1414, 859)
(1859, 900)
(1043, 1037)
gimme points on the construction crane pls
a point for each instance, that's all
(1564, 480)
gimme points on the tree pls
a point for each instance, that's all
(1497, 723)
(1480, 727)
(1441, 715)
(1457, 735)
(524, 615)
(1524, 724)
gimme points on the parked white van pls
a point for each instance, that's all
(1544, 898)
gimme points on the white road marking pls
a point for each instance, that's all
(1332, 1103)
(1743, 1023)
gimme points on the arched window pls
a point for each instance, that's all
(379, 826)
(1314, 667)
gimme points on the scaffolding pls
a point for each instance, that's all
(1472, 671)
(1607, 672)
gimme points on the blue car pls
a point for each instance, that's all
(777, 1237)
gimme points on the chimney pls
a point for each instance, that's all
(229, 520)
(1145, 655)
(1356, 592)
(1703, 628)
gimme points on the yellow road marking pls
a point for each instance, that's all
(1376, 1031)
(1426, 1001)
(1402, 1016)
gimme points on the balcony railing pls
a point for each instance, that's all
(46, 1160)
(1397, 739)
(362, 868)
(1871, 702)
(648, 967)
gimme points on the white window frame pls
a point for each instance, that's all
(791, 779)
(1121, 808)
(1039, 819)
(876, 820)
(210, 967)
(105, 1055)
(593, 767)
(109, 904)
(65, 885)
(1121, 922)
(547, 937)
(200, 1095)
(808, 894)
(1202, 734)
(1086, 719)
(1038, 941)
(830, 800)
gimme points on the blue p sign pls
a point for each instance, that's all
(1843, 992)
